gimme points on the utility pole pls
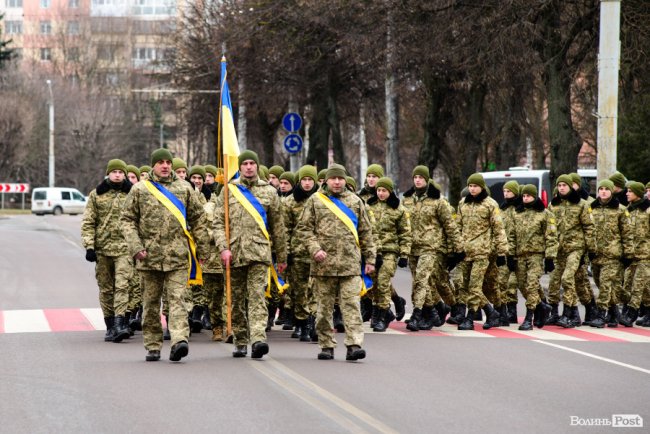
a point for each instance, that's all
(609, 53)
(51, 151)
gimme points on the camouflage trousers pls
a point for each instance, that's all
(113, 274)
(529, 272)
(508, 285)
(623, 294)
(174, 283)
(213, 285)
(566, 275)
(608, 275)
(326, 290)
(457, 285)
(187, 300)
(249, 313)
(301, 295)
(583, 286)
(382, 287)
(640, 278)
(199, 295)
(443, 287)
(427, 271)
(135, 291)
(480, 281)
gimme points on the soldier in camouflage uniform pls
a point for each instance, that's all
(508, 278)
(299, 260)
(532, 242)
(639, 210)
(435, 236)
(102, 238)
(392, 230)
(213, 281)
(287, 183)
(613, 244)
(482, 231)
(144, 172)
(321, 177)
(135, 288)
(158, 243)
(250, 254)
(180, 168)
(275, 172)
(620, 192)
(337, 260)
(373, 173)
(575, 237)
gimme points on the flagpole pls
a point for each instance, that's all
(226, 212)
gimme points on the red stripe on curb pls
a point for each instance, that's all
(632, 330)
(67, 320)
(499, 332)
(581, 334)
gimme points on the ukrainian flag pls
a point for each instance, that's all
(230, 145)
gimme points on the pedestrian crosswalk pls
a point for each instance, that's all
(91, 319)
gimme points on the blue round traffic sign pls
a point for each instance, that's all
(292, 122)
(293, 143)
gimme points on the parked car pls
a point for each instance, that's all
(57, 201)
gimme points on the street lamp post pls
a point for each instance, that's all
(51, 152)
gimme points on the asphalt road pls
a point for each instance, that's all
(74, 382)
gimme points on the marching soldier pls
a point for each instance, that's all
(165, 215)
(373, 173)
(180, 168)
(337, 232)
(620, 192)
(287, 183)
(102, 238)
(134, 311)
(507, 277)
(144, 172)
(275, 172)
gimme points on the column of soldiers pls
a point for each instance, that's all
(158, 236)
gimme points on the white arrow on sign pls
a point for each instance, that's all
(14, 188)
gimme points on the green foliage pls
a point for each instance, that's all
(634, 141)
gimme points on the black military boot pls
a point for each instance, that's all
(428, 313)
(590, 312)
(614, 316)
(400, 307)
(205, 320)
(297, 331)
(628, 319)
(599, 320)
(390, 316)
(554, 316)
(457, 315)
(121, 330)
(136, 320)
(270, 308)
(416, 317)
(643, 312)
(527, 325)
(443, 310)
(313, 334)
(338, 319)
(240, 351)
(503, 316)
(380, 323)
(289, 321)
(366, 309)
(326, 354)
(468, 321)
(492, 317)
(166, 335)
(575, 317)
(512, 312)
(258, 349)
(110, 329)
(127, 321)
(373, 318)
(305, 331)
(355, 352)
(195, 319)
(478, 315)
(178, 351)
(542, 311)
(565, 319)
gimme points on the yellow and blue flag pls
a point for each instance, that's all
(229, 136)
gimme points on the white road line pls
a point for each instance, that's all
(548, 335)
(95, 317)
(594, 356)
(25, 321)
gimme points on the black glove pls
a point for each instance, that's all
(512, 263)
(460, 257)
(403, 262)
(626, 262)
(591, 256)
(582, 260)
(451, 262)
(501, 261)
(549, 265)
(379, 261)
(91, 256)
(289, 259)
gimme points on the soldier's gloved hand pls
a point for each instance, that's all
(91, 256)
(626, 262)
(549, 265)
(403, 262)
(379, 261)
(460, 257)
(451, 262)
(512, 263)
(501, 261)
(289, 259)
(591, 256)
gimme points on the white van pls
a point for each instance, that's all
(57, 201)
(539, 178)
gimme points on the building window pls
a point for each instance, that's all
(45, 4)
(14, 27)
(73, 4)
(46, 28)
(106, 52)
(154, 7)
(73, 54)
(14, 3)
(46, 54)
(73, 27)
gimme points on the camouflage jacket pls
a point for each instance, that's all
(213, 263)
(367, 192)
(575, 227)
(612, 230)
(391, 226)
(292, 207)
(508, 211)
(433, 226)
(640, 221)
(100, 227)
(320, 229)
(148, 225)
(533, 231)
(482, 227)
(248, 243)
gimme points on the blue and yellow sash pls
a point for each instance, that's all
(250, 203)
(350, 220)
(177, 208)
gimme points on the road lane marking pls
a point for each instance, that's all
(95, 317)
(72, 320)
(344, 406)
(25, 321)
(594, 356)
